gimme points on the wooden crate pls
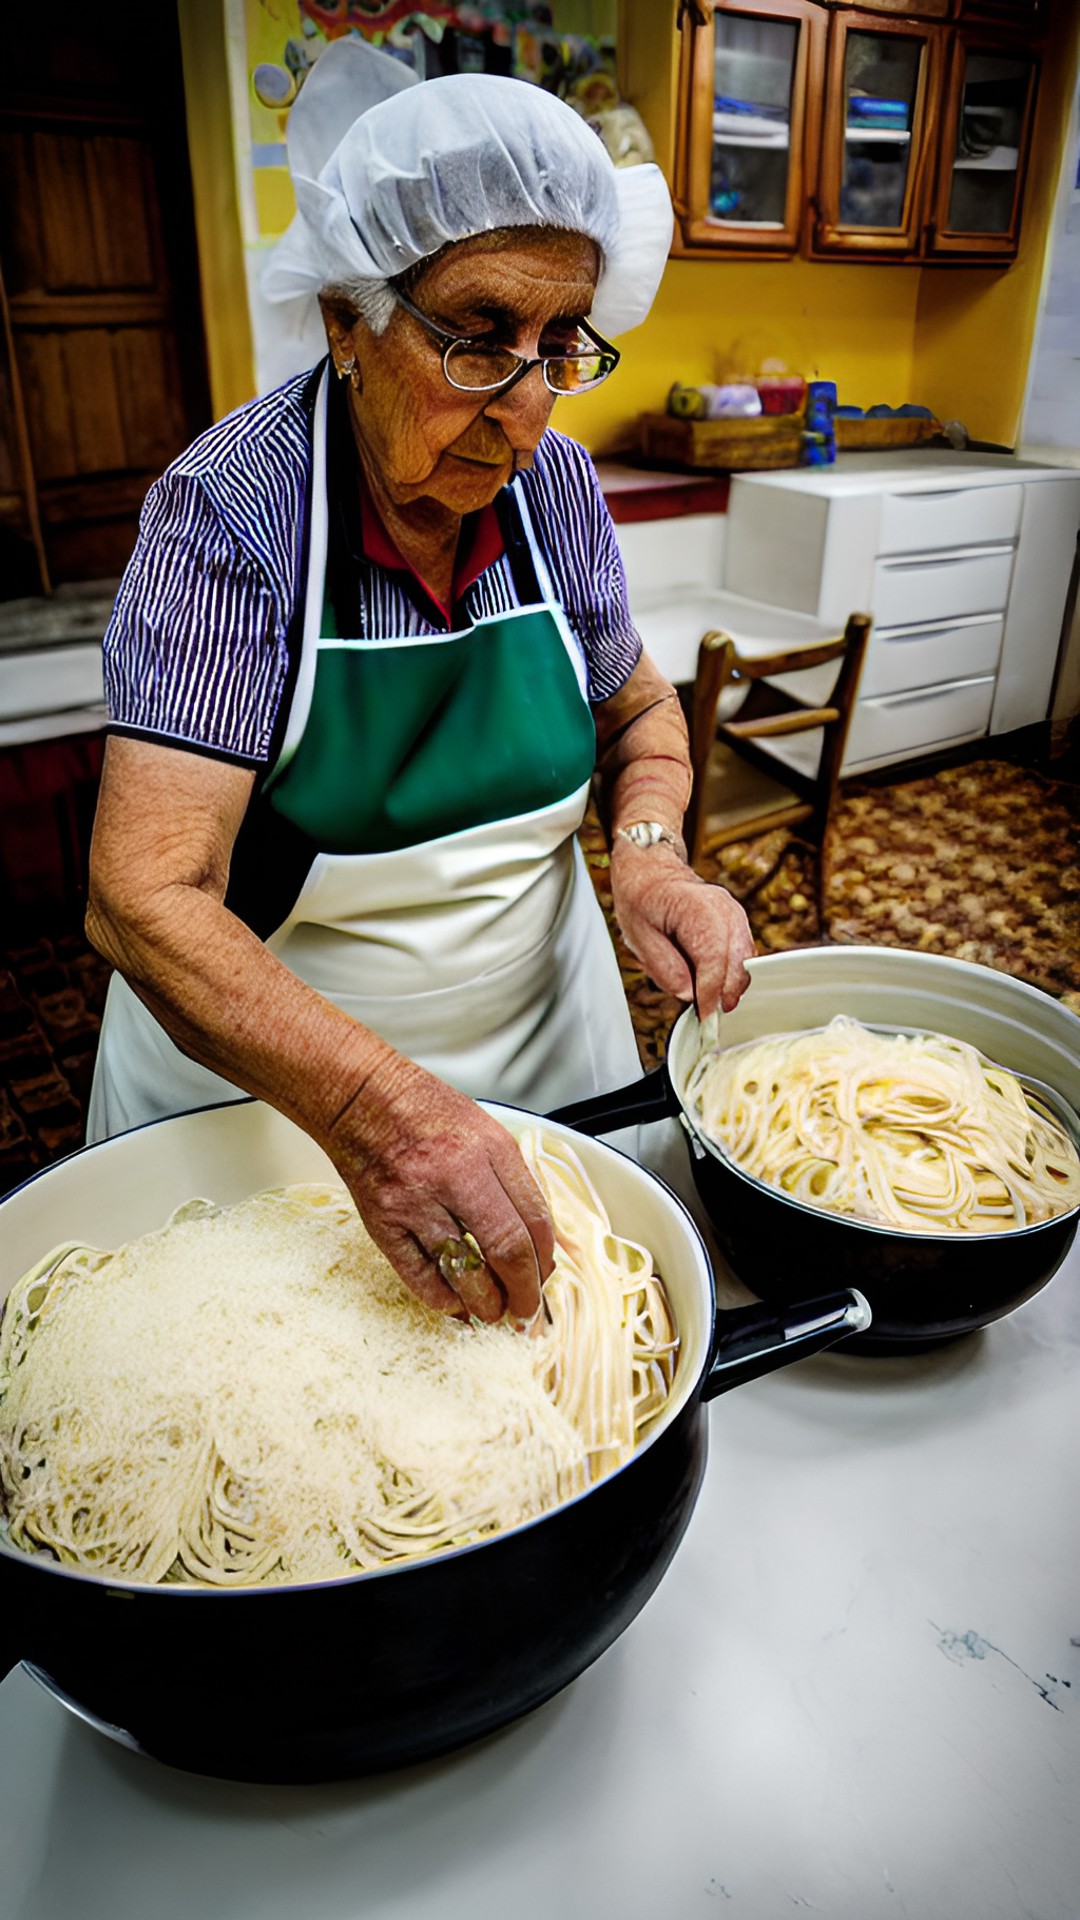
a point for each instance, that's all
(730, 446)
(855, 435)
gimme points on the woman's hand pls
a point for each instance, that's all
(425, 1165)
(692, 938)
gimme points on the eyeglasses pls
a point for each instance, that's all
(472, 367)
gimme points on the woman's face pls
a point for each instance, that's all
(425, 439)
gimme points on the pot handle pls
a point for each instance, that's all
(750, 1341)
(650, 1098)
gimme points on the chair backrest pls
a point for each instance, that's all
(720, 664)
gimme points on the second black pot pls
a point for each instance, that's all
(922, 1289)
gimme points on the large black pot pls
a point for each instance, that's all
(923, 1289)
(343, 1677)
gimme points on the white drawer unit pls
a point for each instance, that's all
(964, 561)
(944, 517)
(901, 658)
(941, 586)
(899, 724)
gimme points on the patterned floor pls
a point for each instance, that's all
(52, 991)
(981, 862)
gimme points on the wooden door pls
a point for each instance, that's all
(98, 257)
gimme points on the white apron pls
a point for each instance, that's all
(435, 784)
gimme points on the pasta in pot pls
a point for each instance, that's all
(913, 1131)
(252, 1395)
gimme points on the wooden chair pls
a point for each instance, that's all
(770, 712)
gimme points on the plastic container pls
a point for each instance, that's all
(781, 393)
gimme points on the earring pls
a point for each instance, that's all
(346, 370)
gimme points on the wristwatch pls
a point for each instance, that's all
(650, 833)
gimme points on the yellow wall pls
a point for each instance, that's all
(718, 319)
(217, 218)
(956, 339)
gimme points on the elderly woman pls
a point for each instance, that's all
(371, 649)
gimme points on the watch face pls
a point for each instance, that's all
(651, 833)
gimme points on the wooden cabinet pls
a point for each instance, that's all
(988, 105)
(882, 87)
(748, 74)
(883, 131)
(905, 9)
(1029, 14)
(1003, 13)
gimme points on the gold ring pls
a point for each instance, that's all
(455, 1258)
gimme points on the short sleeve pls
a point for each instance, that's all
(194, 654)
(576, 532)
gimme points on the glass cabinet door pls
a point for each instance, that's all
(745, 76)
(984, 140)
(875, 135)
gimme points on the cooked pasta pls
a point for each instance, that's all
(914, 1131)
(251, 1394)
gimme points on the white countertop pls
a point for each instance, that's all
(855, 1695)
(918, 470)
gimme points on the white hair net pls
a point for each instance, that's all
(387, 171)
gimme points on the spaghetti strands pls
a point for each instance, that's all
(251, 1395)
(917, 1132)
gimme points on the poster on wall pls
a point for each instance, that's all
(567, 46)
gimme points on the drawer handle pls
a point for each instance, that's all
(901, 636)
(932, 493)
(932, 693)
(923, 560)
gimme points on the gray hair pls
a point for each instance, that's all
(371, 300)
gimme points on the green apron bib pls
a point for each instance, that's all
(409, 740)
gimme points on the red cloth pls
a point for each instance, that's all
(479, 546)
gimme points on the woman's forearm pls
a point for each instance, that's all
(226, 1002)
(643, 757)
(693, 939)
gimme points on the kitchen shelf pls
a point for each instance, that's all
(747, 140)
(765, 136)
(998, 160)
(879, 136)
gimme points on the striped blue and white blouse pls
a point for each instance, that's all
(196, 650)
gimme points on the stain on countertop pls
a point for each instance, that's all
(960, 1647)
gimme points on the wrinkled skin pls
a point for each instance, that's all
(431, 454)
(422, 1161)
